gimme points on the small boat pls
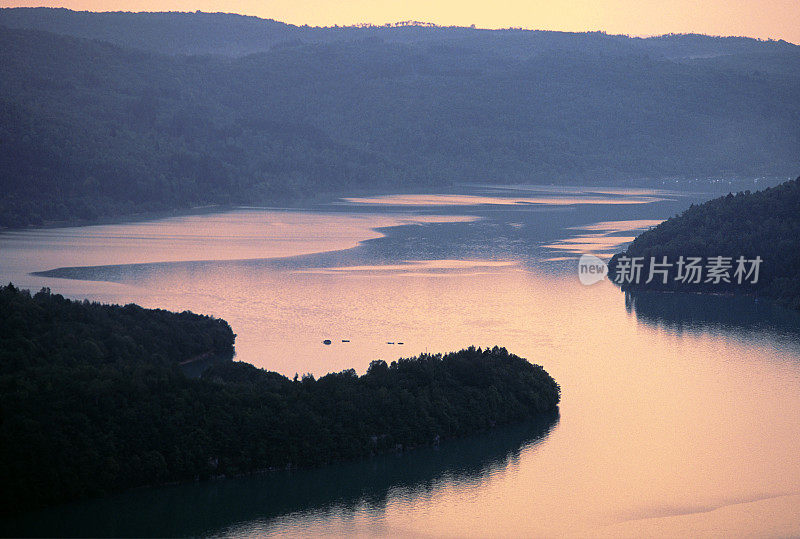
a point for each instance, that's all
(387, 342)
(326, 341)
(398, 342)
(345, 340)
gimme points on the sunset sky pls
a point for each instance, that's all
(776, 19)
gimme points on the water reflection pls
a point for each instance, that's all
(601, 239)
(704, 313)
(677, 402)
(239, 506)
(477, 200)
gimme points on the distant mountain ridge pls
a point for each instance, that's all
(231, 34)
(92, 129)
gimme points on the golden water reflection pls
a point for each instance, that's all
(601, 239)
(234, 235)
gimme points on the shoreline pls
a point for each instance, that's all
(329, 197)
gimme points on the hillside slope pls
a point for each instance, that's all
(90, 129)
(764, 224)
(230, 34)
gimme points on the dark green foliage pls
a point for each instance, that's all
(92, 400)
(765, 223)
(91, 130)
(83, 388)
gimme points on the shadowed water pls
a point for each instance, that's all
(249, 505)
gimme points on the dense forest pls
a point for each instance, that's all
(93, 400)
(764, 224)
(100, 117)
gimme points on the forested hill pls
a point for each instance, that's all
(90, 129)
(92, 401)
(237, 35)
(763, 224)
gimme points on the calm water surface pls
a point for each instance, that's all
(680, 414)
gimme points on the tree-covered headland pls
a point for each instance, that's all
(93, 400)
(763, 226)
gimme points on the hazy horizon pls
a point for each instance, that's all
(773, 19)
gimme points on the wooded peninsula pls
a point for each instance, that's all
(763, 226)
(94, 400)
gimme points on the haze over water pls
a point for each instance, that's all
(679, 414)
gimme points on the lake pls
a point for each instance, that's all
(680, 414)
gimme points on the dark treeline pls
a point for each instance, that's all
(89, 129)
(763, 224)
(93, 400)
